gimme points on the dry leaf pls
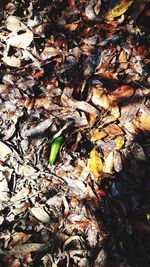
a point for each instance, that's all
(142, 122)
(108, 164)
(119, 10)
(27, 248)
(5, 151)
(119, 142)
(122, 56)
(100, 98)
(14, 24)
(40, 214)
(122, 93)
(22, 40)
(113, 130)
(18, 238)
(95, 164)
(91, 119)
(12, 61)
(49, 52)
(98, 136)
(21, 194)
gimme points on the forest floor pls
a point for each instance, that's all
(74, 133)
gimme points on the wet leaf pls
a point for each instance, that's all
(119, 10)
(95, 164)
(40, 214)
(108, 163)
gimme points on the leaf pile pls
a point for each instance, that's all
(76, 72)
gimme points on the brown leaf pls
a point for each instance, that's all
(122, 93)
(18, 238)
(99, 98)
(113, 130)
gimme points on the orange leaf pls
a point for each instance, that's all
(95, 164)
(121, 93)
(98, 136)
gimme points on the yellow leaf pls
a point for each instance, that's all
(108, 165)
(95, 164)
(119, 10)
(119, 142)
(98, 136)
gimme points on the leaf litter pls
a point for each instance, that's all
(78, 70)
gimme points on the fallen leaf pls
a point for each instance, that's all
(119, 142)
(113, 130)
(18, 238)
(119, 10)
(122, 56)
(139, 152)
(20, 195)
(142, 122)
(98, 136)
(27, 248)
(12, 61)
(100, 98)
(40, 214)
(122, 93)
(95, 164)
(5, 151)
(21, 40)
(108, 163)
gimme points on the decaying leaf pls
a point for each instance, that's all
(40, 214)
(27, 248)
(119, 9)
(95, 164)
(108, 163)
